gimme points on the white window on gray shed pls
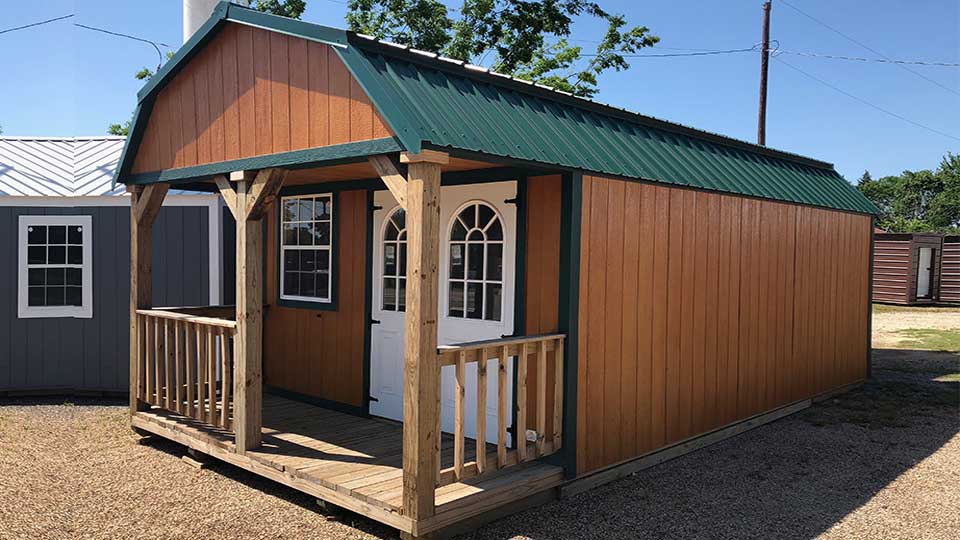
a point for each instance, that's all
(55, 277)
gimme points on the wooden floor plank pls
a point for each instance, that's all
(346, 457)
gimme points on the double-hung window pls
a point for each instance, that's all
(306, 245)
(55, 267)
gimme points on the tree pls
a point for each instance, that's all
(918, 201)
(285, 8)
(526, 39)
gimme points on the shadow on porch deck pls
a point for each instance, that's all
(350, 461)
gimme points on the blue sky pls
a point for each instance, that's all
(63, 80)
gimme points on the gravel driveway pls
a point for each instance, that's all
(880, 462)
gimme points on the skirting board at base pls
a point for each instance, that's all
(617, 471)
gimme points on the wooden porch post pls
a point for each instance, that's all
(145, 203)
(248, 202)
(421, 388)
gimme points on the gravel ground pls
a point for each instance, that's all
(880, 462)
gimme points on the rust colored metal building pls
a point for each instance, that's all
(950, 269)
(460, 293)
(906, 268)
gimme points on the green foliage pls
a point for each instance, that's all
(119, 129)
(918, 201)
(284, 8)
(523, 38)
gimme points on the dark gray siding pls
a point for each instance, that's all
(91, 355)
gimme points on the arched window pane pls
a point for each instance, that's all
(459, 232)
(485, 214)
(469, 216)
(495, 231)
(391, 233)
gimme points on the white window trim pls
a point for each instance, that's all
(84, 311)
(401, 244)
(315, 299)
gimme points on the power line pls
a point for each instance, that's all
(698, 53)
(156, 45)
(867, 47)
(861, 59)
(36, 24)
(865, 102)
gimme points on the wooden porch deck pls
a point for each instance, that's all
(353, 462)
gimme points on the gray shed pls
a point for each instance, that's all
(64, 264)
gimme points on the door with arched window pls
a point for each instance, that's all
(476, 290)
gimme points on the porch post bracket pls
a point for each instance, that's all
(394, 181)
(145, 203)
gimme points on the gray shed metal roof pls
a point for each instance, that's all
(59, 166)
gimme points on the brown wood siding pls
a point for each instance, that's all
(542, 279)
(698, 310)
(251, 92)
(950, 270)
(314, 352)
(896, 260)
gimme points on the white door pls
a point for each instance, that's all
(476, 292)
(924, 271)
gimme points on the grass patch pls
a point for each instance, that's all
(951, 378)
(929, 339)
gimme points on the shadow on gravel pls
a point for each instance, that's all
(792, 479)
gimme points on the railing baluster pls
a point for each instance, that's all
(188, 330)
(141, 360)
(168, 369)
(502, 408)
(558, 395)
(211, 377)
(541, 396)
(482, 412)
(158, 355)
(201, 414)
(459, 436)
(225, 380)
(177, 368)
(151, 350)
(521, 434)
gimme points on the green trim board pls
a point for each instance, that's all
(571, 204)
(297, 159)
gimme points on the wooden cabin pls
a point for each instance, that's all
(460, 294)
(906, 268)
(950, 270)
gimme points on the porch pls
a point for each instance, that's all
(350, 461)
(187, 393)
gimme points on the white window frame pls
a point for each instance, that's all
(485, 280)
(83, 311)
(330, 281)
(401, 246)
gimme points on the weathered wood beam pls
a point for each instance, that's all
(394, 181)
(145, 203)
(421, 403)
(425, 156)
(263, 191)
(253, 197)
(228, 193)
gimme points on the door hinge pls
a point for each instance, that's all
(371, 398)
(374, 321)
(374, 208)
(514, 201)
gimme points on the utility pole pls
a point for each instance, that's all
(764, 61)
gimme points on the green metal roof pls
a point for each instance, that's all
(446, 104)
(431, 101)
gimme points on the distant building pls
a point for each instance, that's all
(64, 263)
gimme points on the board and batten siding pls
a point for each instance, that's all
(92, 355)
(698, 310)
(318, 352)
(252, 92)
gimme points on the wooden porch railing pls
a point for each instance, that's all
(481, 352)
(186, 362)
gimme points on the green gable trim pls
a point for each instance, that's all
(133, 141)
(297, 159)
(335, 37)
